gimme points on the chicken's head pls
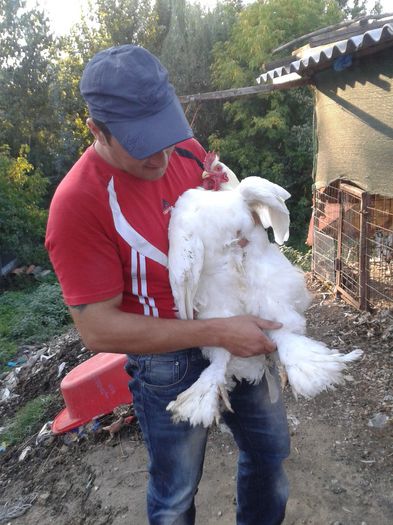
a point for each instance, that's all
(214, 173)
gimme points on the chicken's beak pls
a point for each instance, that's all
(205, 175)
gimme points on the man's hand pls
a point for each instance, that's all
(245, 337)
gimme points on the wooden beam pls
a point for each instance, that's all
(245, 91)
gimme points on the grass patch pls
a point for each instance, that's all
(26, 421)
(298, 258)
(8, 349)
(30, 316)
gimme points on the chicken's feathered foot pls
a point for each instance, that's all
(200, 403)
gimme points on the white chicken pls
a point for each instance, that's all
(221, 264)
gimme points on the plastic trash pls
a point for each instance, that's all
(379, 420)
(342, 63)
(18, 362)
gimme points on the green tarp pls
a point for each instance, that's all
(354, 119)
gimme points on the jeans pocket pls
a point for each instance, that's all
(161, 371)
(131, 365)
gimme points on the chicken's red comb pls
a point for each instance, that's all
(211, 156)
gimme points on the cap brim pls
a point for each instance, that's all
(143, 137)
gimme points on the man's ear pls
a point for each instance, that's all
(96, 132)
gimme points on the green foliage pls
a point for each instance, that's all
(40, 103)
(301, 259)
(37, 315)
(26, 421)
(27, 53)
(31, 316)
(42, 315)
(270, 136)
(22, 219)
(104, 24)
(184, 44)
(113, 23)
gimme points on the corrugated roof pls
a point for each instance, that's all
(319, 58)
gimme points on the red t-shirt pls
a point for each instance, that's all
(107, 232)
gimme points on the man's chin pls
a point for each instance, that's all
(150, 174)
(154, 173)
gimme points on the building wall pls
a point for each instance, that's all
(354, 119)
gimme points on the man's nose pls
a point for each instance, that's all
(161, 157)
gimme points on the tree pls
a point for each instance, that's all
(358, 8)
(181, 34)
(26, 74)
(22, 217)
(270, 136)
(112, 23)
(186, 51)
(107, 23)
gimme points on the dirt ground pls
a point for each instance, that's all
(340, 468)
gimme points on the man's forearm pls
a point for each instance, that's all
(132, 333)
(105, 328)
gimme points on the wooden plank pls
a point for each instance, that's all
(352, 190)
(263, 89)
(347, 297)
(338, 262)
(280, 62)
(364, 274)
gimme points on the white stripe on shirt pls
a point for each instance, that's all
(129, 234)
(140, 249)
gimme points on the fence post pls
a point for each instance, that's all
(364, 274)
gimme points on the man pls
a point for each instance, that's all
(107, 239)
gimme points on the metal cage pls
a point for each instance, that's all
(353, 244)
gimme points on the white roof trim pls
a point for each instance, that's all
(328, 54)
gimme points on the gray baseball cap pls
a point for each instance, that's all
(127, 88)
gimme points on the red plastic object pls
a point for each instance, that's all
(92, 389)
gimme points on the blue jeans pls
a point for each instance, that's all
(177, 451)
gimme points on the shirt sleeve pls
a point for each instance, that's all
(83, 249)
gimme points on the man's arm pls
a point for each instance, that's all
(105, 328)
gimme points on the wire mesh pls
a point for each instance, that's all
(325, 233)
(353, 244)
(380, 251)
(349, 265)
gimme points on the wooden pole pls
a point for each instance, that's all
(245, 91)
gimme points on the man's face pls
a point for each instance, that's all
(152, 168)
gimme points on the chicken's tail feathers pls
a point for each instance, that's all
(268, 201)
(352, 356)
(263, 188)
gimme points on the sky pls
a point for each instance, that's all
(65, 13)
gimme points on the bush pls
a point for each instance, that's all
(41, 315)
(22, 218)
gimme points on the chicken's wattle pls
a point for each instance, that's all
(213, 181)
